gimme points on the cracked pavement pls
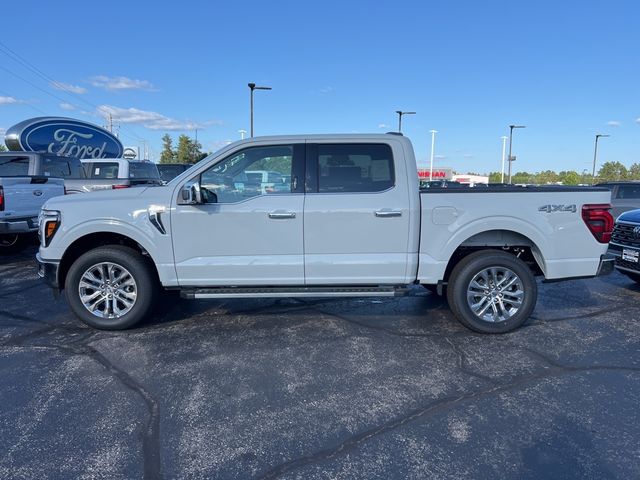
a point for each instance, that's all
(328, 388)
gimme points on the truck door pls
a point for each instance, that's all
(356, 214)
(242, 234)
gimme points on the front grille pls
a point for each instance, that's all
(623, 235)
(628, 265)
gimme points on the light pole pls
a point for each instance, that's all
(242, 133)
(511, 127)
(400, 114)
(504, 150)
(433, 144)
(252, 87)
(595, 157)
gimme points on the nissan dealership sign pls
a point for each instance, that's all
(440, 173)
(63, 136)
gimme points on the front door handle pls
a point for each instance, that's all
(282, 215)
(388, 213)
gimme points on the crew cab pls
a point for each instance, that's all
(352, 223)
(37, 164)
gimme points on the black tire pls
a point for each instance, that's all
(11, 243)
(472, 265)
(138, 267)
(633, 276)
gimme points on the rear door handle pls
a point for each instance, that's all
(388, 213)
(282, 215)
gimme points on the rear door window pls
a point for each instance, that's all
(143, 170)
(62, 167)
(628, 191)
(105, 170)
(17, 166)
(355, 168)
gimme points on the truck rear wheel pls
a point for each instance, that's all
(111, 288)
(492, 292)
(10, 243)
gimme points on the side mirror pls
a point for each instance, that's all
(190, 193)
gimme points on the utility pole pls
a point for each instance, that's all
(433, 144)
(400, 114)
(504, 148)
(595, 157)
(511, 159)
(252, 87)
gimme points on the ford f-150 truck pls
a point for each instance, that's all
(351, 222)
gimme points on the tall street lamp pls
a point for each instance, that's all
(400, 114)
(504, 150)
(252, 87)
(433, 144)
(595, 156)
(242, 133)
(511, 127)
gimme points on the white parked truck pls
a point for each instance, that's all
(351, 222)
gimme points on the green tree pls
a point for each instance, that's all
(495, 177)
(612, 171)
(3, 148)
(569, 178)
(634, 172)
(168, 155)
(188, 150)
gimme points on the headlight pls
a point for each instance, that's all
(48, 223)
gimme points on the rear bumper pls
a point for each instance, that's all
(19, 225)
(48, 271)
(607, 262)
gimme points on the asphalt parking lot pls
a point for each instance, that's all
(375, 388)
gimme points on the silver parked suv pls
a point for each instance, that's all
(625, 196)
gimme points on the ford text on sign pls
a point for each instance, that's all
(63, 136)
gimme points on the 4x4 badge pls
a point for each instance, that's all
(558, 208)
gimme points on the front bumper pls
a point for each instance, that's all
(48, 271)
(18, 225)
(615, 250)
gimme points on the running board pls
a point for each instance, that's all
(274, 292)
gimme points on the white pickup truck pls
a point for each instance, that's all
(352, 222)
(21, 198)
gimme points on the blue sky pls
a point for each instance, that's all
(567, 70)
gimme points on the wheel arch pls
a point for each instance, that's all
(94, 240)
(516, 243)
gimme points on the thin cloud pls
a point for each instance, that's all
(10, 101)
(638, 120)
(468, 155)
(383, 125)
(67, 87)
(67, 106)
(614, 123)
(3, 131)
(326, 89)
(121, 83)
(439, 157)
(151, 120)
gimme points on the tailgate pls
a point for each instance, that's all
(24, 196)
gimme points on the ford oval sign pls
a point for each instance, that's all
(63, 136)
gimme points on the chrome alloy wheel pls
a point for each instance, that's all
(107, 290)
(495, 294)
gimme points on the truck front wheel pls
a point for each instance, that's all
(111, 287)
(492, 291)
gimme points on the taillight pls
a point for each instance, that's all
(118, 187)
(599, 221)
(1, 199)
